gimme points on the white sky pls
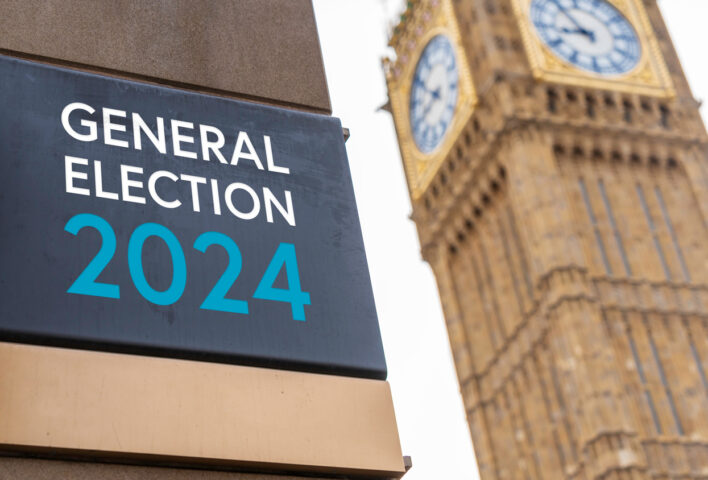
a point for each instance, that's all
(429, 411)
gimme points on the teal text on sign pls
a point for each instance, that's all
(284, 257)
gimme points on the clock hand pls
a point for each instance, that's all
(436, 96)
(427, 109)
(587, 33)
(570, 17)
(581, 29)
(571, 30)
(435, 93)
(422, 85)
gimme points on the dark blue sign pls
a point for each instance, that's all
(148, 220)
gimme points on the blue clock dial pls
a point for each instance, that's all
(433, 94)
(590, 34)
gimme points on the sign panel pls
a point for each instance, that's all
(150, 220)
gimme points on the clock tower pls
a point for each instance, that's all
(558, 171)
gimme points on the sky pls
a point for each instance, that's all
(429, 412)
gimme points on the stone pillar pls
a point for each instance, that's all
(262, 51)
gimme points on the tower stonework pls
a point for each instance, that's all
(562, 204)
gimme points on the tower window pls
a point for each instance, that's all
(627, 111)
(615, 230)
(672, 233)
(590, 106)
(686, 278)
(511, 267)
(664, 380)
(563, 410)
(552, 100)
(549, 409)
(664, 111)
(642, 378)
(479, 281)
(595, 226)
(697, 359)
(654, 233)
(520, 250)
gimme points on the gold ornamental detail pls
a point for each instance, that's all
(421, 167)
(649, 77)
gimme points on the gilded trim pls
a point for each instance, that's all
(649, 77)
(421, 167)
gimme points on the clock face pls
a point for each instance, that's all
(590, 34)
(433, 94)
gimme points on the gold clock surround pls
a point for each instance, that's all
(649, 77)
(421, 167)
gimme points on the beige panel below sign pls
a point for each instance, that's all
(131, 407)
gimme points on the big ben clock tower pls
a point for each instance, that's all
(558, 171)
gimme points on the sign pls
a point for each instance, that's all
(149, 220)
